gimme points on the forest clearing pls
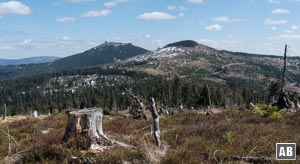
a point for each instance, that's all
(191, 136)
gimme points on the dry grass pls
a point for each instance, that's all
(188, 137)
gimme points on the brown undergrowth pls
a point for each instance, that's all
(188, 137)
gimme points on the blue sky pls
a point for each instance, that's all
(65, 27)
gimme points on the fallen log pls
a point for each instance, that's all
(254, 160)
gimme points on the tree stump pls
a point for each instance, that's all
(284, 101)
(84, 129)
(35, 114)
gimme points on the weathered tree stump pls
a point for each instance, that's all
(284, 101)
(35, 114)
(85, 128)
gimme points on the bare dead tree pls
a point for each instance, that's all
(284, 69)
(208, 92)
(11, 137)
(15, 158)
(283, 100)
(208, 112)
(137, 110)
(4, 114)
(156, 128)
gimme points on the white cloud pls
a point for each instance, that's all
(14, 7)
(156, 16)
(227, 19)
(181, 14)
(289, 31)
(158, 42)
(274, 22)
(147, 36)
(280, 11)
(26, 42)
(79, 1)
(295, 27)
(6, 47)
(231, 44)
(35, 44)
(65, 19)
(272, 46)
(273, 28)
(288, 37)
(94, 13)
(181, 8)
(114, 3)
(110, 4)
(274, 1)
(66, 38)
(215, 27)
(196, 1)
(171, 8)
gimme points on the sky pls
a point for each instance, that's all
(65, 27)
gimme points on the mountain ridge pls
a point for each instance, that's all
(108, 52)
(28, 60)
(174, 59)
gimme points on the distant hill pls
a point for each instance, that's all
(30, 60)
(184, 43)
(183, 59)
(108, 52)
(190, 59)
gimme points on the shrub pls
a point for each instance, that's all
(267, 110)
(106, 111)
(275, 115)
(229, 137)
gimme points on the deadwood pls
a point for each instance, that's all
(155, 117)
(85, 127)
(284, 100)
(4, 114)
(255, 160)
(138, 109)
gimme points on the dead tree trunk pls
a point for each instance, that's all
(283, 100)
(155, 122)
(86, 127)
(284, 69)
(137, 110)
(4, 114)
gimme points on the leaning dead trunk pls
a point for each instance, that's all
(85, 128)
(283, 100)
(155, 122)
(138, 109)
(4, 114)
